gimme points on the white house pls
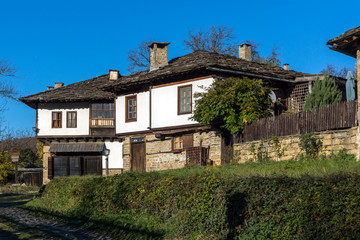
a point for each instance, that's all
(141, 122)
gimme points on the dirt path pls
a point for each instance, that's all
(17, 223)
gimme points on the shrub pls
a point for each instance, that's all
(212, 203)
(232, 103)
(6, 167)
(323, 93)
(310, 145)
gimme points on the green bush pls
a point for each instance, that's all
(231, 103)
(6, 168)
(214, 203)
(323, 93)
(310, 145)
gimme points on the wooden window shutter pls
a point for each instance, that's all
(187, 140)
(50, 168)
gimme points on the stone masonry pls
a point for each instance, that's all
(158, 54)
(333, 140)
(112, 171)
(46, 156)
(159, 154)
(210, 139)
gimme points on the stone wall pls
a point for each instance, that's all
(210, 139)
(334, 140)
(159, 154)
(46, 156)
(112, 171)
(126, 154)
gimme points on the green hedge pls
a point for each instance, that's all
(154, 205)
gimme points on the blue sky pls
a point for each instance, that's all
(69, 41)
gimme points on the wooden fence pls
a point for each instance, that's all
(334, 116)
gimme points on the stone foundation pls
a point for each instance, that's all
(159, 154)
(289, 145)
(112, 172)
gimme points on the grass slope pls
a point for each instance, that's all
(276, 200)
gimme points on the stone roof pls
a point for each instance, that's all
(89, 90)
(101, 88)
(206, 61)
(346, 43)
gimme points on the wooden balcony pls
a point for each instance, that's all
(102, 122)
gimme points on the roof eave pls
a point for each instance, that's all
(249, 74)
(344, 51)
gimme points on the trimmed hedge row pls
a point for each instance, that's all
(153, 205)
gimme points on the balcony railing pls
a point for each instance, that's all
(102, 122)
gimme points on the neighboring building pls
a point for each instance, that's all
(349, 43)
(143, 119)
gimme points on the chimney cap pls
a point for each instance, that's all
(161, 44)
(245, 44)
(114, 74)
(59, 84)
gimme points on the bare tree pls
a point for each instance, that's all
(7, 91)
(139, 57)
(7, 70)
(219, 39)
(334, 71)
(16, 139)
(272, 59)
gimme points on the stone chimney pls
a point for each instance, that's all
(59, 84)
(114, 75)
(245, 51)
(158, 54)
(286, 67)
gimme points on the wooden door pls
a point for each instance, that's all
(93, 165)
(138, 156)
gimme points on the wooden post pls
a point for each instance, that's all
(201, 156)
(16, 173)
(107, 166)
(15, 159)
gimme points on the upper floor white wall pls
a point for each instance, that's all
(142, 119)
(164, 100)
(164, 111)
(45, 119)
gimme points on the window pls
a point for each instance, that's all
(60, 166)
(177, 143)
(184, 99)
(181, 142)
(56, 119)
(66, 166)
(131, 109)
(102, 110)
(71, 119)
